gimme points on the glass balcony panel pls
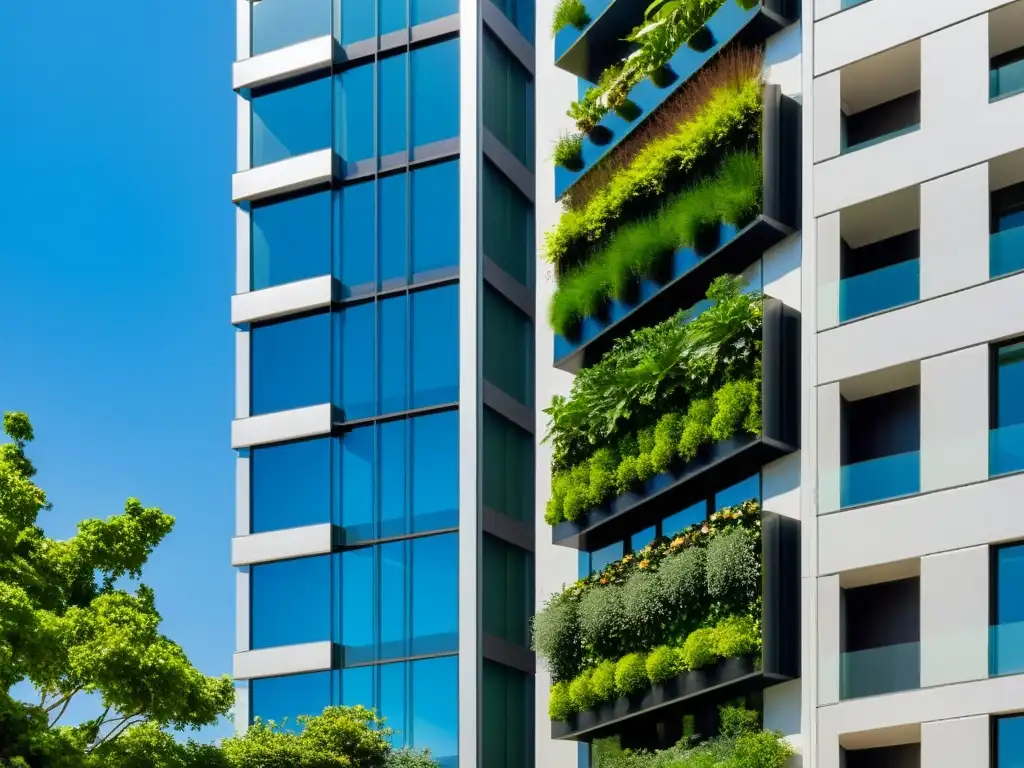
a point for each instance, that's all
(1006, 450)
(1007, 79)
(879, 139)
(879, 290)
(886, 477)
(876, 671)
(280, 23)
(1006, 252)
(1006, 649)
(850, 3)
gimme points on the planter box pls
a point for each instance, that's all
(717, 465)
(661, 707)
(731, 22)
(688, 274)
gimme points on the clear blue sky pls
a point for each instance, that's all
(116, 268)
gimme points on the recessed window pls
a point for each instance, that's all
(508, 100)
(291, 484)
(881, 97)
(1006, 250)
(1006, 647)
(1006, 437)
(896, 756)
(508, 468)
(280, 23)
(507, 346)
(291, 240)
(507, 591)
(290, 364)
(291, 121)
(1009, 741)
(1006, 50)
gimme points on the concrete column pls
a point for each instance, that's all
(955, 743)
(243, 494)
(954, 81)
(829, 269)
(954, 418)
(242, 350)
(954, 231)
(829, 447)
(829, 638)
(828, 117)
(954, 617)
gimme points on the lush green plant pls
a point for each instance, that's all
(639, 249)
(569, 13)
(733, 567)
(663, 663)
(410, 758)
(630, 674)
(569, 150)
(735, 721)
(581, 692)
(556, 635)
(603, 680)
(559, 704)
(730, 119)
(603, 625)
(749, 748)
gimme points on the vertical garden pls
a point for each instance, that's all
(678, 174)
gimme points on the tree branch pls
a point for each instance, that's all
(63, 709)
(62, 700)
(126, 722)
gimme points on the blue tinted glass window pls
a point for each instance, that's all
(358, 361)
(1010, 385)
(602, 557)
(291, 602)
(394, 686)
(280, 23)
(357, 687)
(520, 13)
(435, 471)
(393, 469)
(743, 491)
(507, 100)
(435, 221)
(435, 596)
(508, 232)
(507, 466)
(393, 351)
(392, 231)
(695, 513)
(507, 347)
(291, 240)
(640, 540)
(291, 122)
(1010, 742)
(428, 10)
(393, 100)
(435, 92)
(291, 364)
(291, 485)
(357, 483)
(435, 709)
(285, 698)
(354, 20)
(392, 15)
(357, 574)
(354, 101)
(394, 600)
(435, 346)
(1010, 585)
(1010, 220)
(357, 256)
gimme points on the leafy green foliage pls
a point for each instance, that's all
(733, 567)
(560, 706)
(603, 623)
(631, 674)
(735, 721)
(581, 692)
(663, 663)
(410, 758)
(556, 635)
(729, 119)
(638, 250)
(569, 150)
(603, 681)
(569, 13)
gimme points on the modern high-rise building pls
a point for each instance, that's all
(695, 330)
(385, 410)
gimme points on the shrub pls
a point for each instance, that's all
(631, 674)
(556, 636)
(762, 749)
(737, 636)
(733, 403)
(407, 757)
(581, 692)
(559, 703)
(734, 568)
(735, 721)
(663, 664)
(697, 428)
(682, 581)
(569, 13)
(568, 151)
(603, 681)
(666, 441)
(645, 611)
(699, 649)
(602, 620)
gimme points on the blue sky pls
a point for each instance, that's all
(116, 268)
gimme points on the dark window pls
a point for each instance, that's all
(508, 232)
(507, 347)
(508, 100)
(883, 120)
(507, 722)
(899, 756)
(1006, 440)
(1007, 618)
(507, 590)
(1006, 73)
(879, 276)
(507, 466)
(1009, 741)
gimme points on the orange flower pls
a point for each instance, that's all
(627, 558)
(678, 541)
(643, 564)
(604, 580)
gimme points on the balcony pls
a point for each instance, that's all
(1006, 252)
(876, 671)
(1006, 649)
(877, 291)
(680, 278)
(887, 477)
(1006, 450)
(740, 22)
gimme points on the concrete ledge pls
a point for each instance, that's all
(284, 176)
(284, 63)
(281, 300)
(284, 660)
(282, 426)
(282, 545)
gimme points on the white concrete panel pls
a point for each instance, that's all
(243, 250)
(243, 133)
(829, 263)
(956, 743)
(954, 616)
(242, 609)
(823, 8)
(243, 27)
(954, 418)
(281, 300)
(780, 486)
(284, 63)
(782, 708)
(954, 231)
(996, 695)
(285, 425)
(242, 709)
(282, 545)
(780, 271)
(940, 325)
(284, 660)
(920, 525)
(829, 447)
(879, 25)
(830, 629)
(243, 493)
(828, 117)
(782, 61)
(954, 75)
(288, 175)
(243, 347)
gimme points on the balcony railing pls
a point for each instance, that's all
(879, 290)
(887, 477)
(1006, 449)
(1006, 252)
(874, 671)
(1006, 649)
